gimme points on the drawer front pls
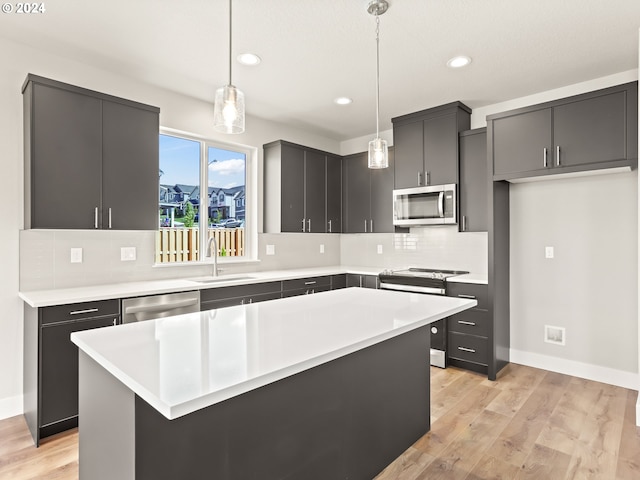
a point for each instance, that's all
(305, 291)
(338, 281)
(479, 292)
(473, 322)
(239, 291)
(468, 347)
(235, 301)
(77, 311)
(304, 283)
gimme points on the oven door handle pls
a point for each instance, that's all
(441, 204)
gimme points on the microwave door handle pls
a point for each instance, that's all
(441, 204)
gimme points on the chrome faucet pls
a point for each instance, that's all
(213, 253)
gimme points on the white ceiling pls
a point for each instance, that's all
(315, 51)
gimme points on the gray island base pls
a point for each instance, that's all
(345, 418)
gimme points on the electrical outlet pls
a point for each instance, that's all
(548, 252)
(76, 255)
(321, 248)
(379, 249)
(555, 335)
(127, 254)
(271, 249)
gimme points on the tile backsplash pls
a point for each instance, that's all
(45, 255)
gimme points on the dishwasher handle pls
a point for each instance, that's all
(161, 306)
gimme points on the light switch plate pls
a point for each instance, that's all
(271, 249)
(548, 252)
(379, 249)
(322, 248)
(76, 255)
(127, 254)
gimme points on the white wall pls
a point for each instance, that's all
(178, 112)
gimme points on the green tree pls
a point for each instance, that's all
(189, 215)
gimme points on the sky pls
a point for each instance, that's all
(180, 163)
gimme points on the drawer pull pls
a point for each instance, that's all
(310, 283)
(472, 297)
(80, 312)
(464, 322)
(464, 349)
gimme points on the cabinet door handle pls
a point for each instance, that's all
(544, 157)
(303, 224)
(464, 349)
(427, 178)
(251, 300)
(464, 322)
(462, 295)
(109, 217)
(329, 226)
(419, 179)
(557, 155)
(309, 222)
(95, 218)
(115, 320)
(464, 223)
(360, 281)
(365, 225)
(80, 312)
(371, 225)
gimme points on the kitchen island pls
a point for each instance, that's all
(332, 385)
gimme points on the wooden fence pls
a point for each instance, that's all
(181, 244)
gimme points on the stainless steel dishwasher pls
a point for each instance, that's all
(139, 309)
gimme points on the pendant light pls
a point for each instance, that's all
(228, 111)
(378, 150)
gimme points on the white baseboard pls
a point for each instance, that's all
(596, 373)
(10, 407)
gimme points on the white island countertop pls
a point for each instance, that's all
(184, 363)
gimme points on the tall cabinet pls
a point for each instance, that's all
(91, 159)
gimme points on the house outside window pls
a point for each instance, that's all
(189, 217)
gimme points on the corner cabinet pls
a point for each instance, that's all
(91, 160)
(473, 189)
(51, 362)
(304, 189)
(368, 195)
(592, 131)
(426, 145)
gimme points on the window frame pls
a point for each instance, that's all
(250, 192)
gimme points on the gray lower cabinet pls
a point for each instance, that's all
(368, 195)
(213, 298)
(364, 281)
(91, 160)
(591, 131)
(306, 286)
(338, 281)
(473, 188)
(51, 362)
(426, 145)
(302, 188)
(470, 333)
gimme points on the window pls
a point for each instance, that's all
(200, 184)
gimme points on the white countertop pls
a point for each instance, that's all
(63, 296)
(184, 363)
(470, 278)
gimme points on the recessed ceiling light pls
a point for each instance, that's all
(249, 59)
(343, 101)
(459, 61)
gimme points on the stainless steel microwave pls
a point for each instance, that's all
(432, 205)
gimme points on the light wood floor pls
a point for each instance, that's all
(529, 424)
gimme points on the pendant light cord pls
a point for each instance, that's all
(377, 75)
(230, 37)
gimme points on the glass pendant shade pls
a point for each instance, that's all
(378, 153)
(228, 111)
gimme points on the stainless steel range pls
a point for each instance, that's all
(431, 282)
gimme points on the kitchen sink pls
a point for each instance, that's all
(222, 278)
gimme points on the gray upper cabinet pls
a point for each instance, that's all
(334, 194)
(426, 145)
(474, 181)
(592, 131)
(91, 160)
(368, 200)
(300, 190)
